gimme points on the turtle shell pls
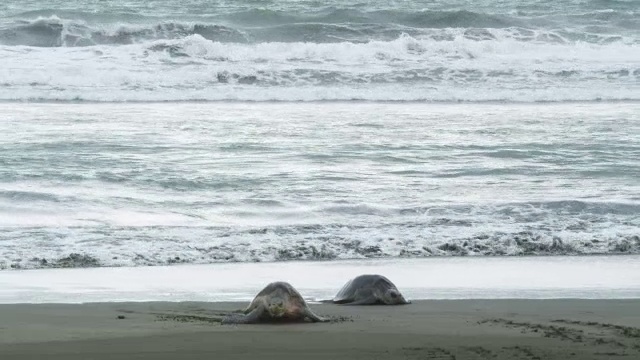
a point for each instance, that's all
(283, 287)
(348, 291)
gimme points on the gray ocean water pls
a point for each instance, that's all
(164, 183)
(254, 50)
(161, 132)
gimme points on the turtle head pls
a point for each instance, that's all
(277, 307)
(393, 297)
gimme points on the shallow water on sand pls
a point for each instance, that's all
(541, 277)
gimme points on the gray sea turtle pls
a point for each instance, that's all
(277, 302)
(370, 290)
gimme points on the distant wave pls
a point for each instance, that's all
(60, 28)
(497, 67)
(418, 18)
(323, 53)
(55, 32)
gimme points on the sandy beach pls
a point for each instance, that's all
(434, 329)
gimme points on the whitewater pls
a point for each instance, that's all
(452, 51)
(164, 183)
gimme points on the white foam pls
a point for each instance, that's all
(409, 185)
(612, 277)
(455, 70)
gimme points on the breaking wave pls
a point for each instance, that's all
(303, 52)
(258, 26)
(487, 65)
(544, 228)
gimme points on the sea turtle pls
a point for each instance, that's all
(369, 290)
(278, 301)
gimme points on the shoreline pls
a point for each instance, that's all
(439, 329)
(595, 277)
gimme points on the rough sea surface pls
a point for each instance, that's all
(159, 132)
(308, 50)
(147, 184)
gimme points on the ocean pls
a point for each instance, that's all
(140, 133)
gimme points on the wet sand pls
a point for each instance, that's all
(439, 329)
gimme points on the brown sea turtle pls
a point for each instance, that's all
(277, 302)
(369, 290)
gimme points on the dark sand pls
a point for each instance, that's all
(465, 329)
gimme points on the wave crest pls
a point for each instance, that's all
(54, 31)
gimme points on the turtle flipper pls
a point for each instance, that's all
(251, 318)
(313, 317)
